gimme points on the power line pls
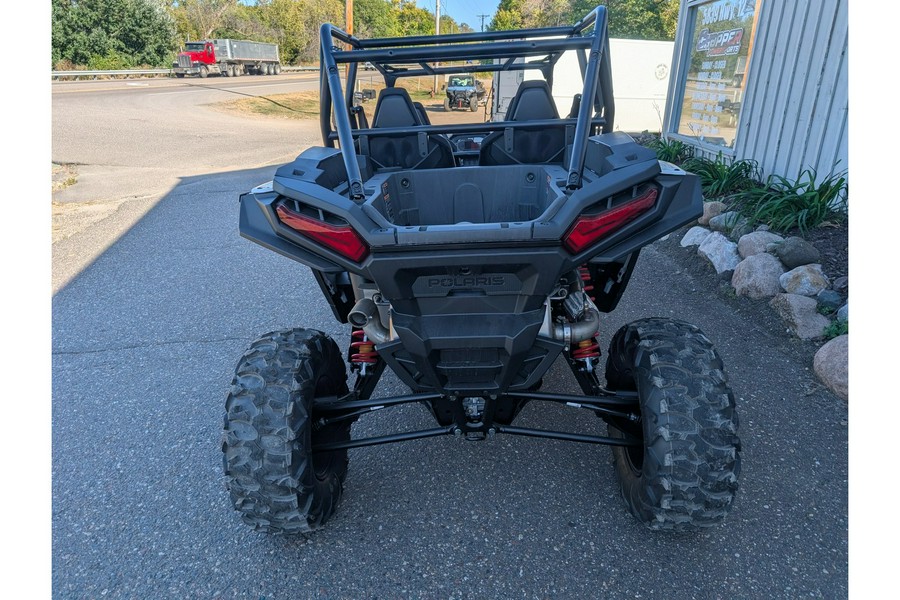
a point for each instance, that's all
(482, 17)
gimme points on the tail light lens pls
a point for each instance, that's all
(342, 239)
(588, 229)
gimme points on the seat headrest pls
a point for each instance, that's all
(533, 101)
(395, 109)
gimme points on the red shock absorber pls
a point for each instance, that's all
(362, 351)
(587, 282)
(586, 349)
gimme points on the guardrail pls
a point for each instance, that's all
(127, 73)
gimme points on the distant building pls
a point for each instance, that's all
(764, 80)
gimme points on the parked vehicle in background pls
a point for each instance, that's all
(230, 58)
(464, 91)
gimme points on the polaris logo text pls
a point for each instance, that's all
(463, 282)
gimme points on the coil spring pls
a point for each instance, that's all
(365, 353)
(587, 282)
(586, 349)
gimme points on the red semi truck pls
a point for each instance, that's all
(227, 57)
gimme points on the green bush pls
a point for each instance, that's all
(112, 61)
(802, 204)
(720, 177)
(836, 329)
(673, 151)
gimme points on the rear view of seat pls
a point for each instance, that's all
(539, 145)
(416, 150)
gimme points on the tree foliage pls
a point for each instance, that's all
(129, 33)
(630, 19)
(111, 34)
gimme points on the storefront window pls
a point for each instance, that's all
(719, 53)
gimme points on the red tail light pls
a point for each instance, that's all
(588, 229)
(343, 239)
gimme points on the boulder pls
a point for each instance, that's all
(710, 210)
(841, 285)
(720, 251)
(831, 365)
(843, 313)
(726, 221)
(794, 252)
(805, 280)
(756, 243)
(799, 312)
(829, 300)
(694, 236)
(758, 276)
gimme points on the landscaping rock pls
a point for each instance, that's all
(841, 285)
(799, 312)
(843, 313)
(763, 227)
(756, 242)
(720, 251)
(794, 252)
(831, 365)
(741, 229)
(710, 210)
(805, 280)
(695, 236)
(758, 276)
(829, 300)
(726, 221)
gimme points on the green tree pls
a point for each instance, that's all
(111, 34)
(633, 19)
(200, 19)
(374, 18)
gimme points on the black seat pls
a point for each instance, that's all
(416, 150)
(538, 145)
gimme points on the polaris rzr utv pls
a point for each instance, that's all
(464, 92)
(468, 259)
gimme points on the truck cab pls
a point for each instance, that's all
(196, 59)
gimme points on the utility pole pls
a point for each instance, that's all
(348, 16)
(482, 21)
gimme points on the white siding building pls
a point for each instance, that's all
(764, 80)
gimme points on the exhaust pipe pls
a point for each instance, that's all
(579, 331)
(364, 315)
(585, 317)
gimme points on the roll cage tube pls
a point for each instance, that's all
(383, 53)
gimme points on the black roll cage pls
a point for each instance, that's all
(417, 56)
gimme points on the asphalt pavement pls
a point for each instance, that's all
(155, 300)
(145, 339)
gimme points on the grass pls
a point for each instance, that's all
(305, 105)
(802, 203)
(299, 105)
(63, 176)
(673, 151)
(836, 329)
(720, 177)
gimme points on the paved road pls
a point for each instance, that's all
(145, 340)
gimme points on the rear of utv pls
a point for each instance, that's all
(468, 258)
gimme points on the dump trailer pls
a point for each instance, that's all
(230, 58)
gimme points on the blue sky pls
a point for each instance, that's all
(464, 11)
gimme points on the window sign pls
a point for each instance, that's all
(719, 53)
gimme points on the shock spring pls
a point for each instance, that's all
(587, 282)
(362, 351)
(586, 349)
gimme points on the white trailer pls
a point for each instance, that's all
(640, 73)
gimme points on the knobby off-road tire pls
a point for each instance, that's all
(447, 104)
(275, 481)
(685, 475)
